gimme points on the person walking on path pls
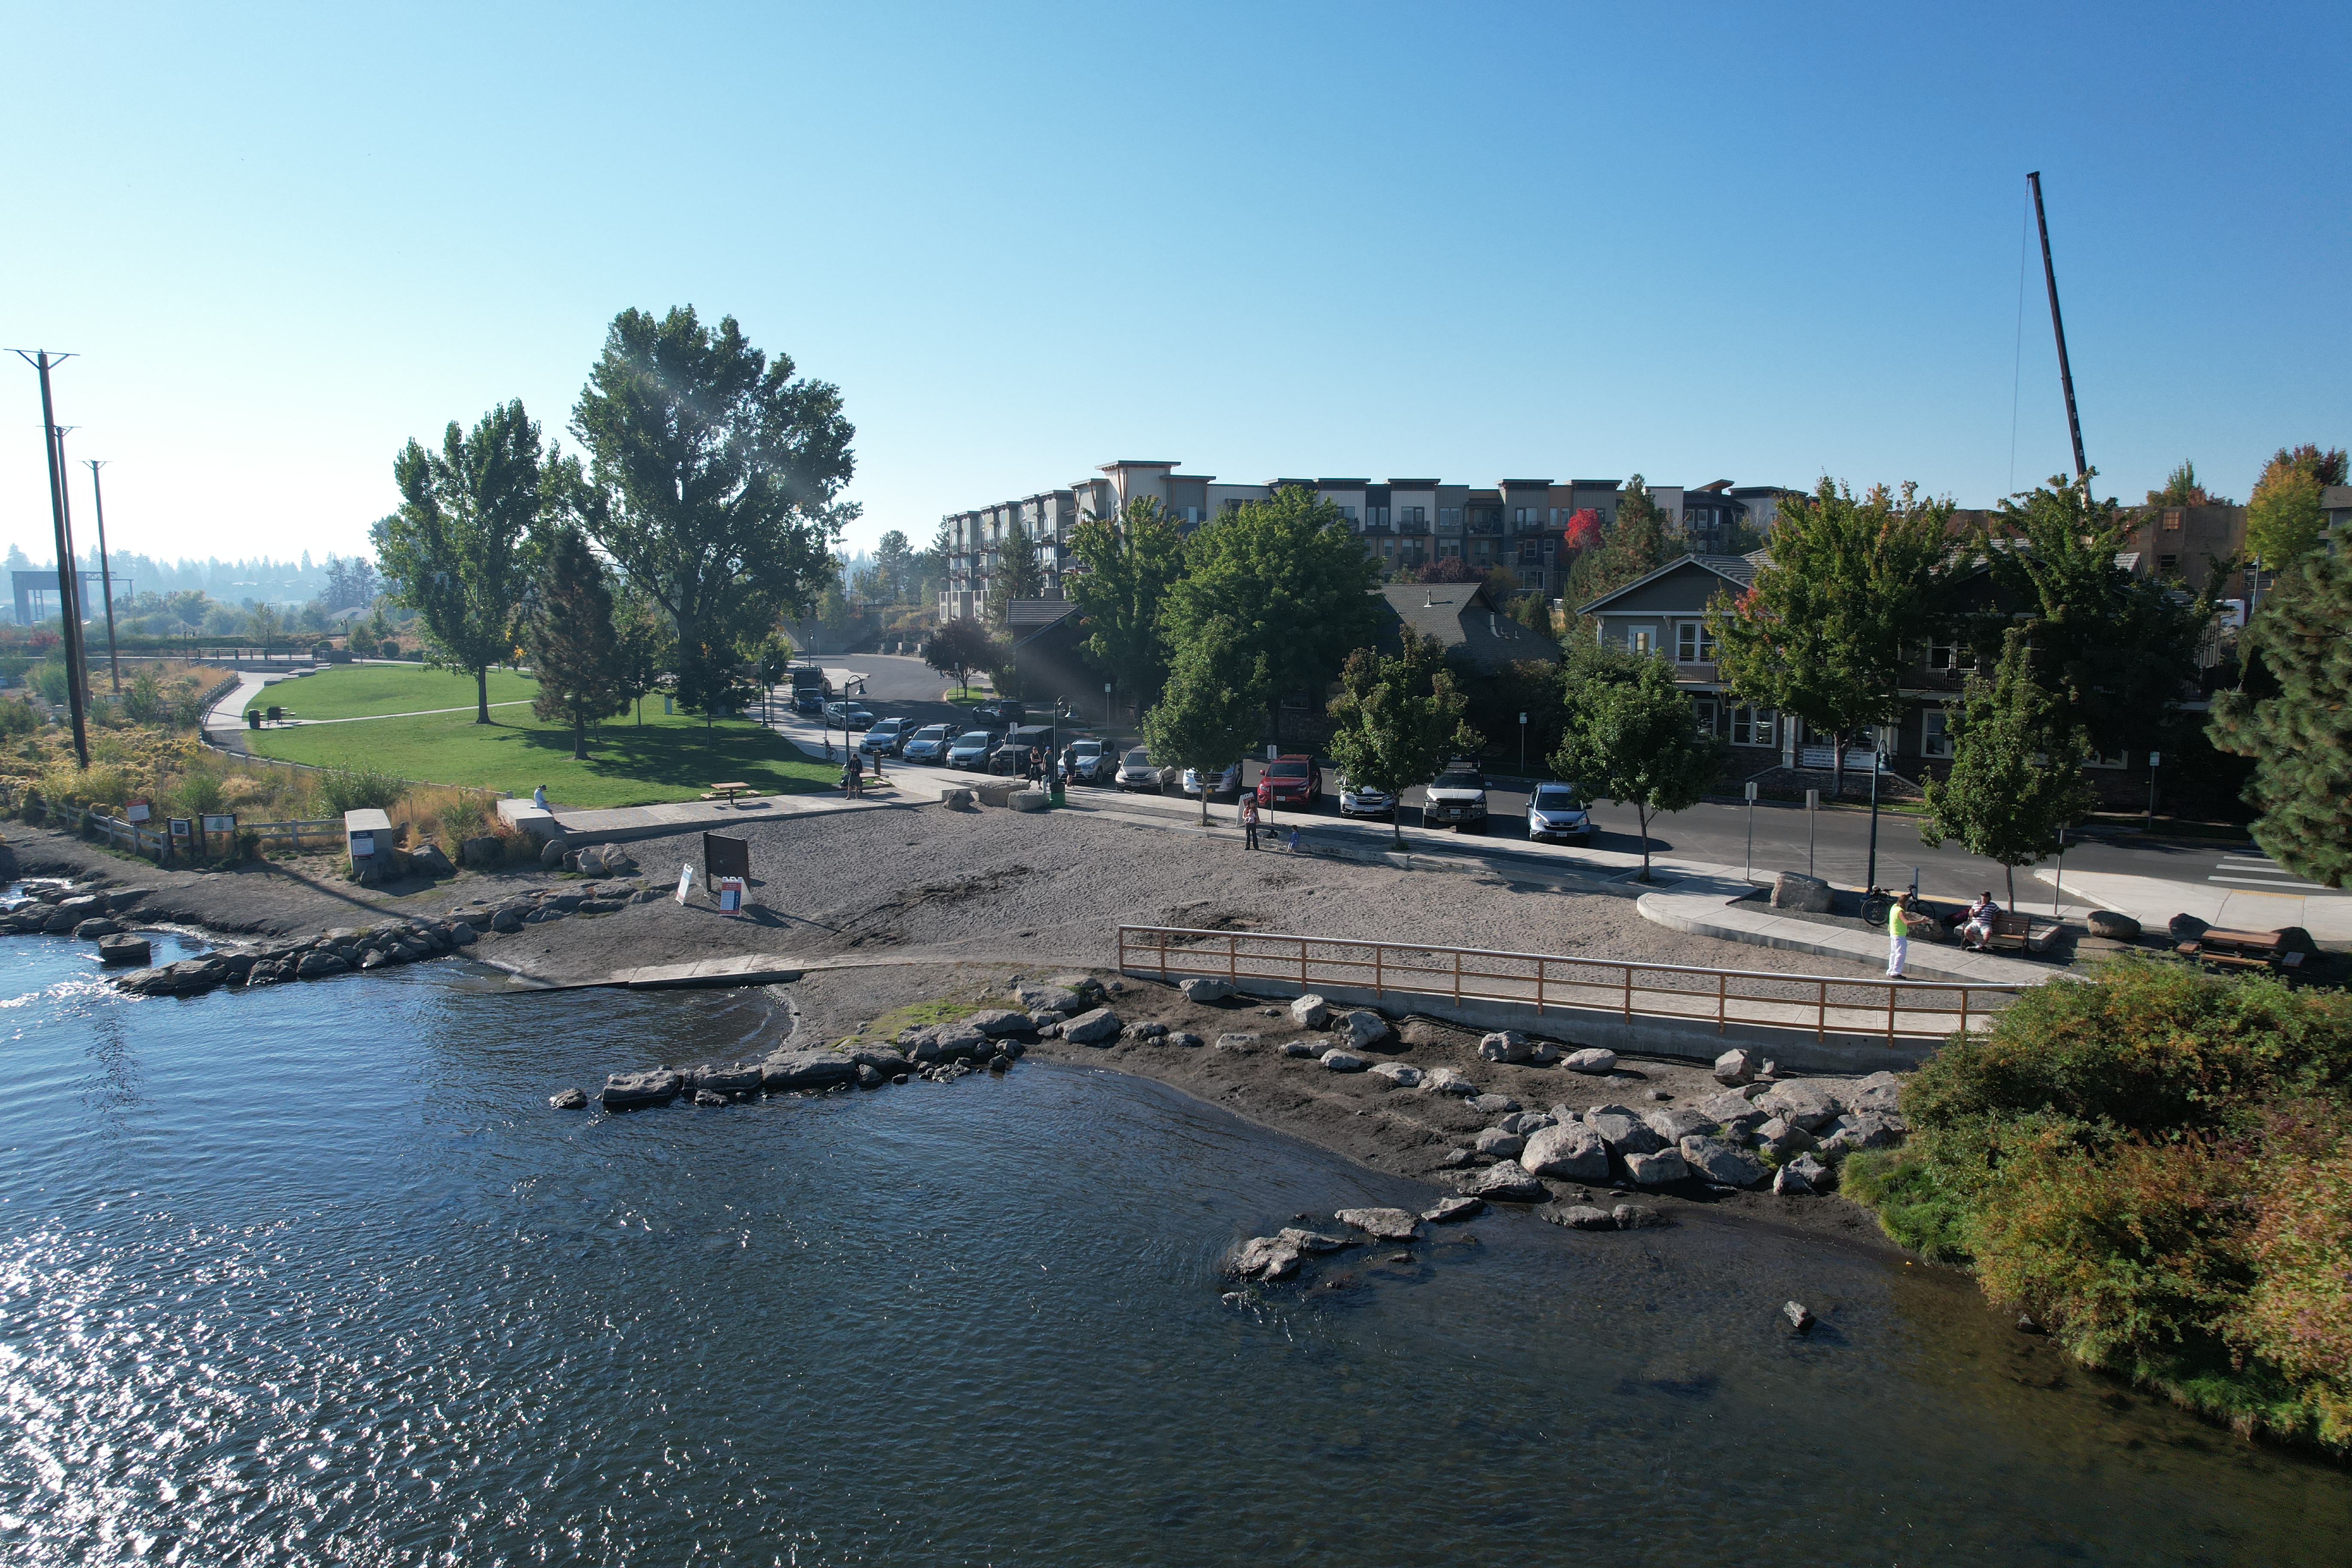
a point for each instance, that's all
(1898, 934)
(852, 778)
(1249, 821)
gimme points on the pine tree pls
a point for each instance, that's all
(571, 644)
(2301, 739)
(1017, 573)
(2017, 769)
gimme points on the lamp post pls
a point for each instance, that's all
(1870, 877)
(1106, 705)
(1523, 745)
(2153, 759)
(1751, 830)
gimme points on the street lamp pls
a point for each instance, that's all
(1106, 705)
(1523, 745)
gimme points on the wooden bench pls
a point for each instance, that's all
(727, 791)
(2009, 929)
(2241, 949)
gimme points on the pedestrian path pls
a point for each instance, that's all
(2251, 901)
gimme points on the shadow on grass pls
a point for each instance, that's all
(681, 757)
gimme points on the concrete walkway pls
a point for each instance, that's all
(2326, 915)
(1710, 906)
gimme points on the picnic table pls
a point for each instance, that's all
(727, 791)
(2244, 949)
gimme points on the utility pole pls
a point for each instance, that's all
(1870, 877)
(105, 575)
(78, 652)
(2058, 328)
(41, 360)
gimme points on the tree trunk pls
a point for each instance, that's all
(1837, 765)
(578, 735)
(1641, 815)
(2010, 874)
(482, 695)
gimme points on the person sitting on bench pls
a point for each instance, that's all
(1976, 930)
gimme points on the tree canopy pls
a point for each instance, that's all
(1399, 719)
(571, 642)
(1130, 563)
(1627, 548)
(1017, 575)
(2182, 488)
(2301, 739)
(2284, 516)
(957, 647)
(1208, 715)
(713, 481)
(458, 545)
(1827, 630)
(2017, 769)
(1637, 743)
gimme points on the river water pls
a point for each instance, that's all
(318, 1275)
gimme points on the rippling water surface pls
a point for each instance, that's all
(317, 1275)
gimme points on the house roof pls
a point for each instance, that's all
(1739, 571)
(1462, 617)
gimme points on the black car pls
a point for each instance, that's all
(1011, 754)
(1001, 714)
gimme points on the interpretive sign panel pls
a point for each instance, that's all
(723, 856)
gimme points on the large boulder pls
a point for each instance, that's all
(1382, 1224)
(654, 1085)
(1363, 1029)
(1030, 800)
(428, 858)
(1881, 1091)
(1501, 1145)
(1445, 1211)
(1310, 1012)
(506, 920)
(788, 1071)
(1801, 1103)
(1729, 1106)
(124, 947)
(1578, 1216)
(1674, 1123)
(1722, 1164)
(461, 935)
(1397, 1073)
(1099, 1028)
(1201, 988)
(1592, 1059)
(1788, 1182)
(1571, 1151)
(1445, 1081)
(1812, 1171)
(1624, 1132)
(1338, 1059)
(119, 899)
(2186, 928)
(2112, 925)
(1505, 1046)
(551, 854)
(995, 1021)
(1659, 1170)
(1864, 1130)
(1047, 998)
(319, 964)
(95, 927)
(729, 1078)
(1506, 1182)
(1735, 1067)
(1240, 1042)
(482, 850)
(1493, 1104)
(1781, 1138)
(1791, 891)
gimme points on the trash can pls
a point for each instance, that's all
(1058, 791)
(253, 718)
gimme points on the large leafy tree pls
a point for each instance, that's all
(1629, 547)
(2115, 649)
(1208, 715)
(2182, 488)
(957, 647)
(1130, 563)
(459, 545)
(713, 481)
(2017, 768)
(1285, 577)
(1826, 631)
(643, 648)
(1637, 743)
(2301, 739)
(2283, 515)
(1399, 718)
(571, 642)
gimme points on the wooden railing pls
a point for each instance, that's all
(1892, 1009)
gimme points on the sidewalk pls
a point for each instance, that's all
(2327, 916)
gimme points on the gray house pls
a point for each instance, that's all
(1465, 619)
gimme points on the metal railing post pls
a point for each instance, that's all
(1964, 1012)
(1457, 976)
(1378, 952)
(1890, 1012)
(1720, 980)
(1627, 970)
(1820, 1010)
(1232, 957)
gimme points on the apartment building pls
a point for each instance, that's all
(1406, 523)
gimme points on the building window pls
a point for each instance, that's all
(1414, 515)
(2172, 520)
(1945, 655)
(2168, 566)
(1377, 516)
(1641, 640)
(1448, 548)
(1754, 726)
(1935, 738)
(1693, 643)
(1449, 517)
(1702, 708)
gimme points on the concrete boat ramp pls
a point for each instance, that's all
(743, 969)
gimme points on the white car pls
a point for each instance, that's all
(1226, 780)
(1135, 771)
(1556, 814)
(1363, 800)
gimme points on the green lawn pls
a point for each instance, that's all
(348, 691)
(668, 759)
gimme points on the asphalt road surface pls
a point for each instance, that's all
(1835, 844)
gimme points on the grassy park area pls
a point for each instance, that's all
(667, 758)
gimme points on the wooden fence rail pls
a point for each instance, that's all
(1893, 1009)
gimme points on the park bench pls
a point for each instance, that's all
(2241, 949)
(2009, 929)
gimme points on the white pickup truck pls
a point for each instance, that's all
(1457, 797)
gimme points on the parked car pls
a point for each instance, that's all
(928, 744)
(1556, 814)
(1135, 771)
(1003, 712)
(887, 737)
(1011, 754)
(1226, 780)
(809, 700)
(1289, 781)
(1363, 800)
(848, 715)
(972, 748)
(1457, 797)
(1090, 761)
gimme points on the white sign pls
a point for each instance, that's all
(137, 813)
(685, 882)
(182, 828)
(363, 846)
(731, 895)
(2154, 758)
(220, 825)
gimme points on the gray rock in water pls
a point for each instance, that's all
(1501, 1145)
(1721, 1163)
(654, 1085)
(124, 947)
(1508, 1182)
(1624, 1132)
(1735, 1067)
(1662, 1169)
(1310, 1012)
(569, 1100)
(1397, 1073)
(789, 1070)
(1099, 1028)
(1787, 1183)
(1569, 1152)
(1266, 1258)
(1201, 988)
(1675, 1123)
(1383, 1224)
(1578, 1216)
(1592, 1059)
(1338, 1059)
(1816, 1175)
(1493, 1104)
(727, 1078)
(1634, 1217)
(1363, 1029)
(1448, 1210)
(95, 927)
(1505, 1046)
(119, 899)
(707, 1097)
(319, 964)
(868, 1078)
(1299, 1048)
(1800, 1316)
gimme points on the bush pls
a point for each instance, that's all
(358, 789)
(2298, 1314)
(18, 717)
(1914, 1206)
(202, 793)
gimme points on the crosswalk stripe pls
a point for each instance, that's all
(2265, 882)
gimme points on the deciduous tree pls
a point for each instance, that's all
(2017, 769)
(459, 546)
(644, 646)
(1208, 715)
(2301, 739)
(1130, 560)
(713, 481)
(1399, 718)
(1826, 630)
(2284, 516)
(1627, 548)
(1637, 743)
(569, 640)
(957, 647)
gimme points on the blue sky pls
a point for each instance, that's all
(1474, 241)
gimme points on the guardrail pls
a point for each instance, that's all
(1894, 1009)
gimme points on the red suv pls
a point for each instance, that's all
(1288, 781)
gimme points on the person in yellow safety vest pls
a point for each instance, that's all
(1898, 934)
